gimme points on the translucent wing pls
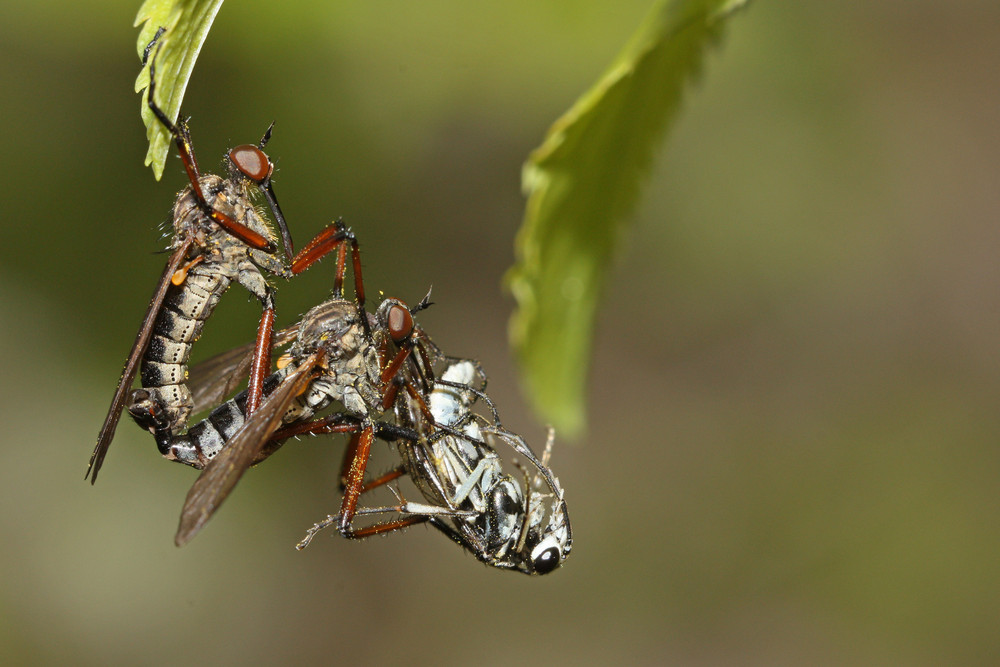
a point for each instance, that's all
(214, 380)
(132, 364)
(224, 471)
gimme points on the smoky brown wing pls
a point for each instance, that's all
(215, 379)
(224, 471)
(285, 336)
(132, 364)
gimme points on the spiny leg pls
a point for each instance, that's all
(367, 531)
(260, 367)
(352, 478)
(336, 235)
(361, 443)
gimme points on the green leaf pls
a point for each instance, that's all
(582, 184)
(187, 23)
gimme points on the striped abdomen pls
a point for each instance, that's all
(164, 367)
(206, 438)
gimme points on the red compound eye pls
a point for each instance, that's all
(400, 323)
(251, 161)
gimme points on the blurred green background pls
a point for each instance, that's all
(794, 449)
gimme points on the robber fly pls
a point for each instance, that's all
(337, 355)
(448, 450)
(219, 237)
(453, 462)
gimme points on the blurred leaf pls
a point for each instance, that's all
(582, 183)
(187, 23)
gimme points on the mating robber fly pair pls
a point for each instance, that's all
(391, 381)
